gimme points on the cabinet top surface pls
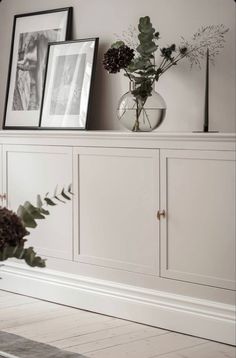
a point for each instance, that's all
(111, 134)
(125, 139)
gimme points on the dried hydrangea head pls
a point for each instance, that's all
(12, 230)
(119, 58)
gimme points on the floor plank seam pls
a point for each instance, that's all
(123, 344)
(85, 334)
(179, 350)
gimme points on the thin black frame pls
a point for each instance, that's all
(67, 37)
(96, 41)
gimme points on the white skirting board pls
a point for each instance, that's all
(198, 317)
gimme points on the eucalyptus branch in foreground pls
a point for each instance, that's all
(30, 213)
(13, 226)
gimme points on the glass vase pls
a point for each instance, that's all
(141, 115)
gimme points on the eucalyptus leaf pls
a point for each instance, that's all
(138, 64)
(49, 201)
(117, 44)
(44, 212)
(26, 217)
(19, 252)
(145, 25)
(145, 37)
(147, 49)
(31, 259)
(34, 212)
(64, 195)
(70, 189)
(57, 198)
(55, 191)
(39, 202)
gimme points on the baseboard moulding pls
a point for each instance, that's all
(198, 317)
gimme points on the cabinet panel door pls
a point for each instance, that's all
(32, 170)
(116, 216)
(198, 233)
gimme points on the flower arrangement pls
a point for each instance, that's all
(137, 58)
(13, 227)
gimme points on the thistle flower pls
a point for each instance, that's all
(166, 52)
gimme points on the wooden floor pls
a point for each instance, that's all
(96, 335)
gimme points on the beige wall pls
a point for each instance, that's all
(182, 89)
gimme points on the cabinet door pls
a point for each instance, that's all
(31, 170)
(198, 233)
(116, 210)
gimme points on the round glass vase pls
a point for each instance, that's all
(141, 115)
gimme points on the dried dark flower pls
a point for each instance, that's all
(116, 59)
(166, 52)
(12, 230)
(183, 50)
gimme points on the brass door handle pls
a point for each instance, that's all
(161, 213)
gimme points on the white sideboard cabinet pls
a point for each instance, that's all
(149, 235)
(197, 237)
(32, 170)
(118, 195)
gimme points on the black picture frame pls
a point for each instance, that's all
(30, 36)
(68, 85)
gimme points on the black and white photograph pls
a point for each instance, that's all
(32, 51)
(68, 84)
(31, 35)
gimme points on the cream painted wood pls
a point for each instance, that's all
(198, 234)
(122, 139)
(117, 191)
(32, 170)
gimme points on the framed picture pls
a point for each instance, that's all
(68, 84)
(30, 37)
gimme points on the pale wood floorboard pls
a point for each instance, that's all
(148, 347)
(207, 350)
(98, 336)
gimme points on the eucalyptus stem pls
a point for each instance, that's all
(145, 112)
(128, 75)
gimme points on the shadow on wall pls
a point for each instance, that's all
(99, 97)
(96, 119)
